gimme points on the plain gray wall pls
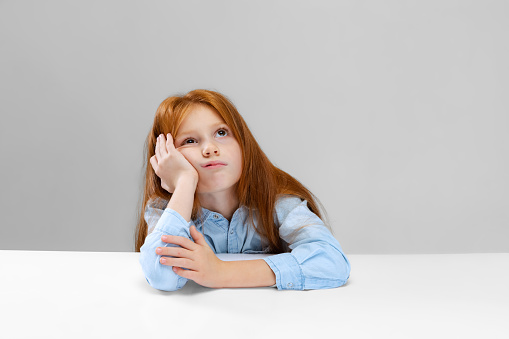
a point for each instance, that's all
(394, 113)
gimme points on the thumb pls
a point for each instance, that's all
(197, 236)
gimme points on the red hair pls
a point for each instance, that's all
(260, 184)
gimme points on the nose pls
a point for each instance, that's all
(210, 148)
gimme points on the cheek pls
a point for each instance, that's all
(239, 160)
(188, 155)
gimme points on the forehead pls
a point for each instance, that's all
(200, 116)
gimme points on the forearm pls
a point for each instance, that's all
(160, 276)
(248, 273)
(183, 197)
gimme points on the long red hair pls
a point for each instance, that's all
(260, 183)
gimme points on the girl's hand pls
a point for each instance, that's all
(205, 268)
(169, 164)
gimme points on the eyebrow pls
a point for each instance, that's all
(191, 132)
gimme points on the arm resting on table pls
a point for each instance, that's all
(248, 273)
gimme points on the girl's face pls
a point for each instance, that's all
(203, 137)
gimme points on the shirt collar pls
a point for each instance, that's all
(208, 214)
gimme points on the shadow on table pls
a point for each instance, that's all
(189, 288)
(192, 288)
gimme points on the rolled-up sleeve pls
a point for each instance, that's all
(316, 260)
(170, 222)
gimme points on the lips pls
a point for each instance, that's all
(213, 163)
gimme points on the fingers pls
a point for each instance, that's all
(156, 152)
(179, 262)
(182, 241)
(169, 142)
(153, 162)
(197, 236)
(178, 252)
(161, 147)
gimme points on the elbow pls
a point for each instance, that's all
(342, 268)
(334, 267)
(158, 284)
(159, 276)
(338, 264)
(330, 268)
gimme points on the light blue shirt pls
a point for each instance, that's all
(313, 260)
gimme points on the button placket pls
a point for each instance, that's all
(232, 239)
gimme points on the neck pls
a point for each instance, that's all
(224, 202)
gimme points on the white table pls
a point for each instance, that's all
(57, 294)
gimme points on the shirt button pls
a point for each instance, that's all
(216, 216)
(231, 232)
(289, 285)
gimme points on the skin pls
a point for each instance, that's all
(216, 187)
(204, 267)
(202, 137)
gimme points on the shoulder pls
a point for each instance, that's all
(287, 200)
(286, 203)
(157, 203)
(154, 209)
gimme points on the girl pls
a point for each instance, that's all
(211, 189)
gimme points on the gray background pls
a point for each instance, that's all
(394, 114)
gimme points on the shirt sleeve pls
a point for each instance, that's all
(316, 260)
(161, 222)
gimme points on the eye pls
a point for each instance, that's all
(186, 141)
(224, 130)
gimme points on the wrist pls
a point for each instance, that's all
(182, 198)
(226, 274)
(190, 180)
(247, 273)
